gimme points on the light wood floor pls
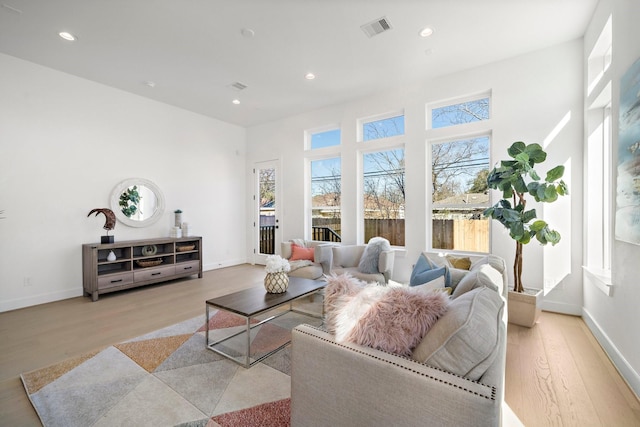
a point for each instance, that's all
(557, 374)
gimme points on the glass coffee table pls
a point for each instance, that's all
(261, 335)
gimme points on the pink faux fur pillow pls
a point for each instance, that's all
(389, 319)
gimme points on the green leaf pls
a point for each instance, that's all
(550, 194)
(529, 215)
(516, 231)
(536, 153)
(522, 158)
(519, 185)
(505, 203)
(555, 174)
(526, 238)
(488, 212)
(538, 225)
(507, 192)
(562, 188)
(516, 148)
(534, 175)
(511, 215)
(553, 237)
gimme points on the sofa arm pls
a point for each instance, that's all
(349, 385)
(385, 264)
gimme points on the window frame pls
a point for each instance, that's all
(309, 133)
(361, 122)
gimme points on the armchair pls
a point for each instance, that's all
(308, 269)
(347, 258)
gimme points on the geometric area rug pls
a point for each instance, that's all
(170, 378)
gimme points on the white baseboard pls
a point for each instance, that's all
(223, 264)
(17, 303)
(561, 307)
(631, 377)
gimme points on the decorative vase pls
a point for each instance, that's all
(178, 222)
(111, 256)
(276, 283)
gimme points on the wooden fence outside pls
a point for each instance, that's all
(467, 235)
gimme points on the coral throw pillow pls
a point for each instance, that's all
(299, 253)
(386, 318)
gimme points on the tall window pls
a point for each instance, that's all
(459, 170)
(598, 202)
(325, 199)
(384, 195)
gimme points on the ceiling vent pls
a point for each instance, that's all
(376, 27)
(238, 86)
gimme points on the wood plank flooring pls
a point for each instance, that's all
(557, 374)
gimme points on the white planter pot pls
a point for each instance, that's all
(524, 307)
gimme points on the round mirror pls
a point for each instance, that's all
(137, 202)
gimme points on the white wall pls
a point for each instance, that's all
(66, 142)
(614, 319)
(531, 94)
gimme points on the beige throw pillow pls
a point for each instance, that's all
(465, 340)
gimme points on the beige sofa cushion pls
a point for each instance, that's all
(465, 340)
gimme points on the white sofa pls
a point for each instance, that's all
(347, 257)
(345, 384)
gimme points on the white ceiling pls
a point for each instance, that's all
(193, 50)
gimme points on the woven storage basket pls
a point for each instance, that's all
(185, 248)
(149, 262)
(276, 283)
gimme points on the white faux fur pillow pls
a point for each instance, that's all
(391, 319)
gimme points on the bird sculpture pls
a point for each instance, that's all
(110, 222)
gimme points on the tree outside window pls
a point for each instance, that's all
(325, 199)
(384, 195)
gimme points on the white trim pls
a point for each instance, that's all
(224, 264)
(561, 307)
(14, 304)
(601, 279)
(631, 377)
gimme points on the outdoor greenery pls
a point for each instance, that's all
(511, 211)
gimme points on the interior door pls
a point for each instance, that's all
(266, 218)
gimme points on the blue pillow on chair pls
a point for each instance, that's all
(424, 271)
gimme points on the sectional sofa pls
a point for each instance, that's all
(454, 376)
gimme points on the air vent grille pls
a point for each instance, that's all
(376, 27)
(238, 86)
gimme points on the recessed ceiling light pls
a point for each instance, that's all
(247, 33)
(236, 101)
(150, 83)
(426, 32)
(309, 76)
(67, 36)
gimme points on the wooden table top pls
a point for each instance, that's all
(253, 301)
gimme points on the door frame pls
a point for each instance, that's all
(259, 258)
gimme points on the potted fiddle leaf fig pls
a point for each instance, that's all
(518, 181)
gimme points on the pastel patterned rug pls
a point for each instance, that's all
(170, 378)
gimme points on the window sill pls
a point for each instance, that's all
(601, 279)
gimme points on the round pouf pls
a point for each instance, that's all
(276, 283)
